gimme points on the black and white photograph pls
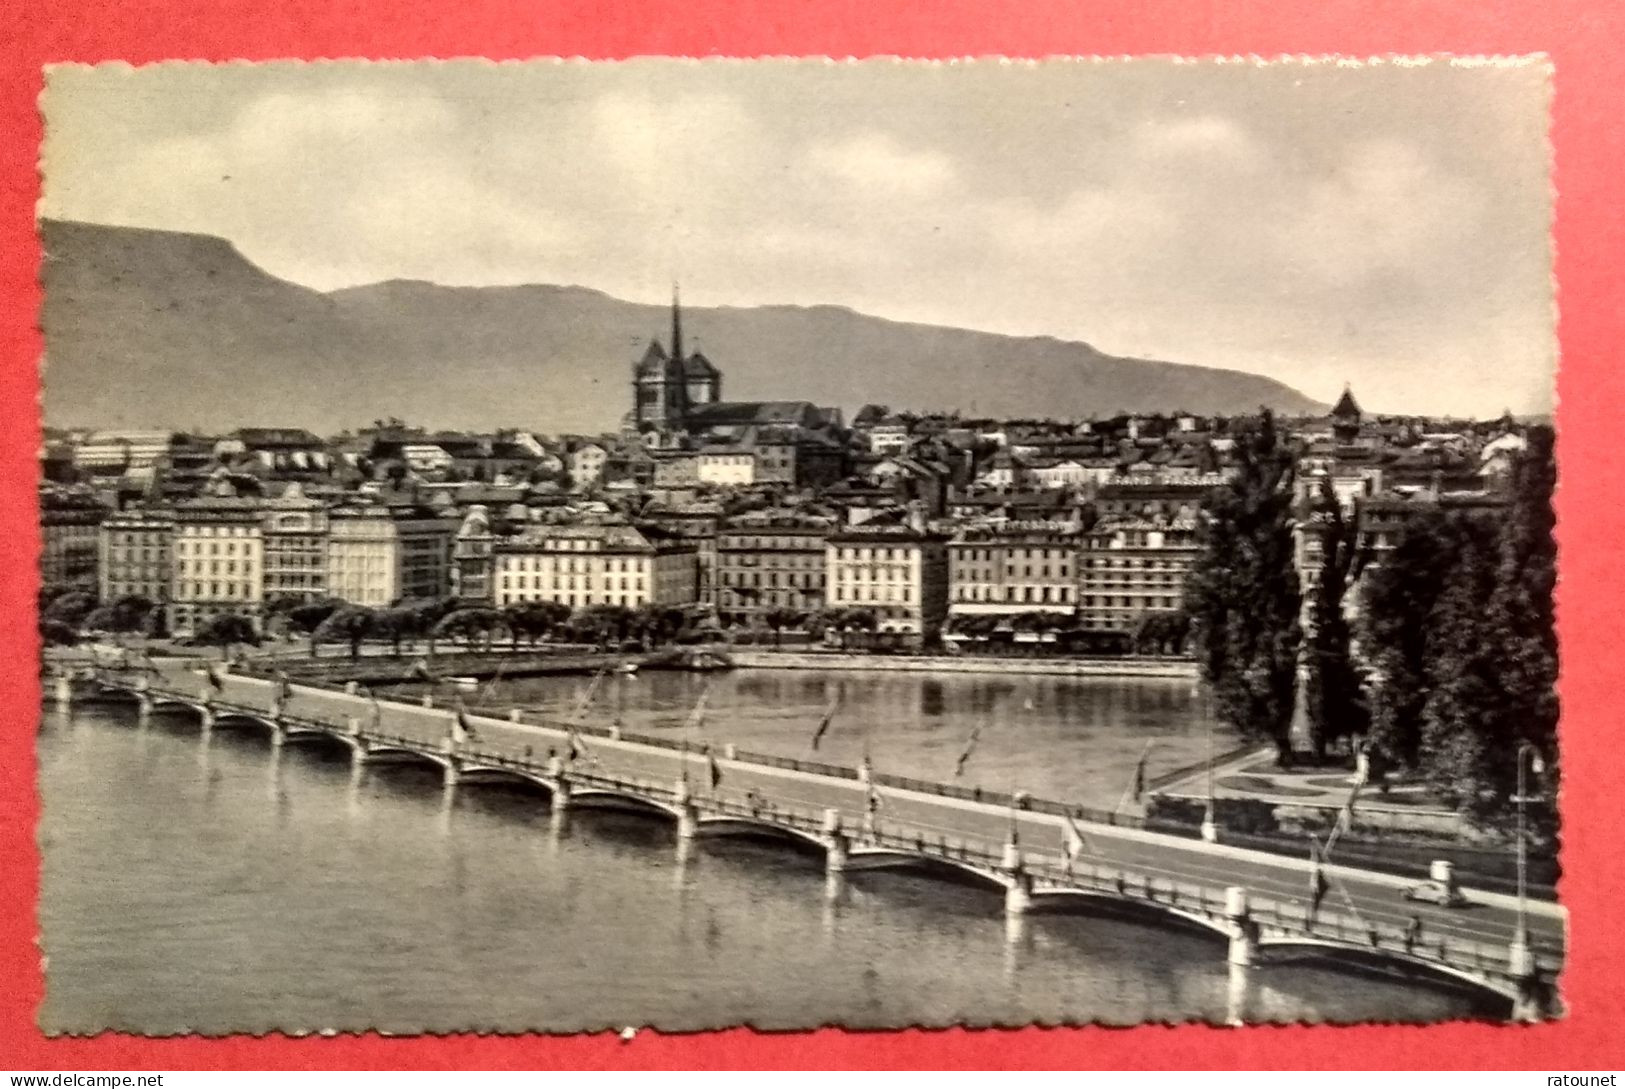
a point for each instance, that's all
(574, 546)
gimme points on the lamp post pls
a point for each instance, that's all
(1528, 756)
(1210, 824)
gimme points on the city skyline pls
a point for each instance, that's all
(1249, 213)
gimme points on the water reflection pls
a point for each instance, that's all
(1070, 737)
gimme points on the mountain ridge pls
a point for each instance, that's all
(175, 315)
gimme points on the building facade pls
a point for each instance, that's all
(471, 558)
(1015, 567)
(1131, 567)
(379, 555)
(128, 450)
(770, 564)
(295, 547)
(69, 539)
(586, 565)
(218, 554)
(135, 556)
(726, 468)
(897, 572)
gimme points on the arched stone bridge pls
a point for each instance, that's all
(1235, 899)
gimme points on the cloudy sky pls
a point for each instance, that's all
(1385, 225)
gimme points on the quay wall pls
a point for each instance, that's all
(942, 663)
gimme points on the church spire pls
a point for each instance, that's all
(676, 324)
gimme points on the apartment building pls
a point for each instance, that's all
(377, 555)
(586, 565)
(134, 550)
(770, 563)
(218, 557)
(1130, 567)
(295, 546)
(1014, 567)
(898, 572)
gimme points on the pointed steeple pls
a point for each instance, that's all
(676, 324)
(1346, 406)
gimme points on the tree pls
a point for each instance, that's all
(1521, 613)
(307, 617)
(1333, 697)
(658, 624)
(350, 623)
(50, 591)
(430, 611)
(100, 618)
(864, 620)
(778, 618)
(1242, 591)
(70, 607)
(469, 624)
(125, 614)
(225, 630)
(57, 633)
(395, 624)
(1396, 631)
(1463, 676)
(155, 625)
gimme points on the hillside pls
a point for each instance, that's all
(158, 328)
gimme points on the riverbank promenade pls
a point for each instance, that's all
(1262, 907)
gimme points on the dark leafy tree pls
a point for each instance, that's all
(1463, 677)
(1242, 591)
(349, 624)
(396, 624)
(71, 607)
(659, 624)
(306, 617)
(50, 591)
(1520, 616)
(226, 630)
(58, 634)
(1333, 694)
(430, 611)
(470, 624)
(155, 625)
(1523, 605)
(778, 618)
(1396, 632)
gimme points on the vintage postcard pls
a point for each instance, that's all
(565, 546)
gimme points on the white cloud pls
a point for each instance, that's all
(872, 162)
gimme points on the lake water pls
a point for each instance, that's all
(217, 885)
(1068, 738)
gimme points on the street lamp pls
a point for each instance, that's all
(1528, 756)
(1210, 824)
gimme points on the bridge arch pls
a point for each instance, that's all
(598, 797)
(757, 828)
(474, 773)
(383, 755)
(1390, 961)
(227, 716)
(1098, 902)
(860, 858)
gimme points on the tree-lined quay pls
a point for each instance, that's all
(1040, 860)
(1342, 582)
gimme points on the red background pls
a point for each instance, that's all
(1585, 42)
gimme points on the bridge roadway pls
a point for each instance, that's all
(1357, 898)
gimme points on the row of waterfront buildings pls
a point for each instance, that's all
(219, 553)
(750, 509)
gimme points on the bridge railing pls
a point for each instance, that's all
(1287, 917)
(1023, 802)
